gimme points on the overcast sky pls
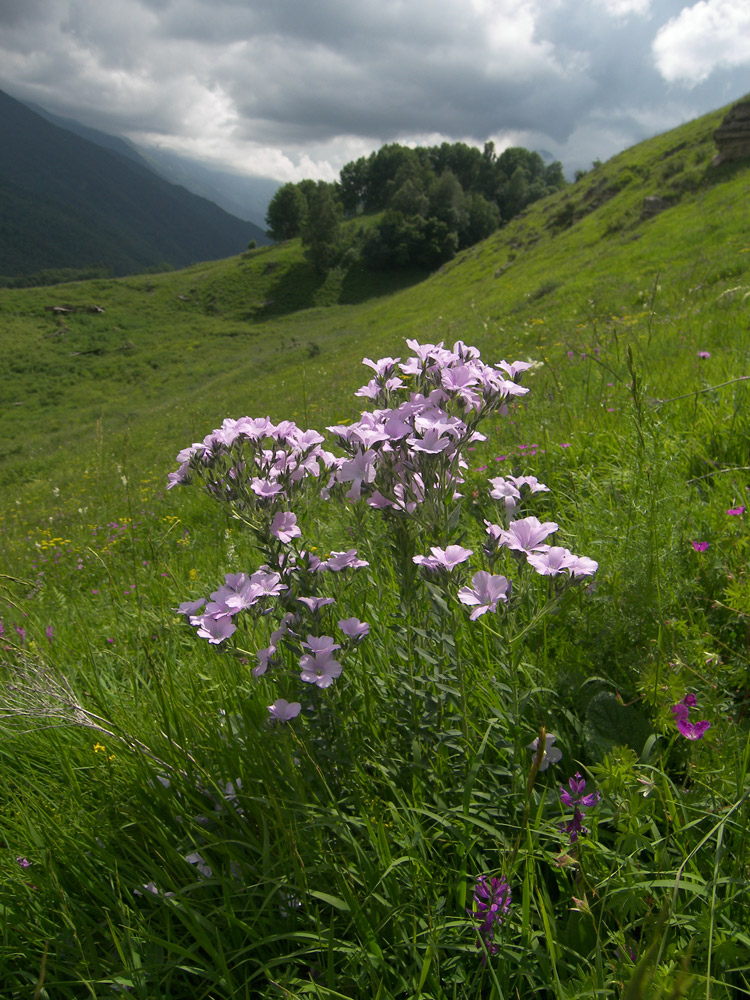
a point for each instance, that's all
(296, 88)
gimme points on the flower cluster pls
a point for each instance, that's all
(289, 596)
(573, 797)
(492, 899)
(406, 456)
(527, 537)
(255, 465)
(681, 711)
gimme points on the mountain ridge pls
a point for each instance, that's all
(135, 219)
(246, 198)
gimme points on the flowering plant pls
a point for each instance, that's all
(404, 459)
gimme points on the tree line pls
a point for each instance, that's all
(434, 201)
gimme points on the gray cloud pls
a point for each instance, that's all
(300, 88)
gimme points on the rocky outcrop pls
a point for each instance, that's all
(652, 205)
(732, 137)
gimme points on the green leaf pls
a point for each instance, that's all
(336, 901)
(609, 723)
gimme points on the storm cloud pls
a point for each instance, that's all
(291, 89)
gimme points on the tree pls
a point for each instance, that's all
(483, 218)
(447, 201)
(353, 185)
(516, 193)
(382, 167)
(321, 230)
(409, 241)
(464, 162)
(286, 213)
(410, 199)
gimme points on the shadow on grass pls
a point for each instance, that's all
(300, 286)
(361, 284)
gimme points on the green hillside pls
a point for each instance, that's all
(468, 717)
(172, 353)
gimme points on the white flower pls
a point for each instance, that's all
(552, 755)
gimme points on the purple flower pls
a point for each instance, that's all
(353, 628)
(574, 827)
(503, 489)
(492, 899)
(551, 562)
(358, 470)
(574, 798)
(693, 730)
(197, 859)
(313, 603)
(533, 484)
(527, 535)
(573, 795)
(384, 366)
(284, 526)
(190, 607)
(23, 862)
(215, 629)
(319, 668)
(265, 489)
(704, 355)
(433, 442)
(283, 710)
(485, 592)
(50, 633)
(736, 511)
(446, 559)
(343, 560)
(583, 566)
(700, 546)
(264, 658)
(515, 368)
(320, 644)
(681, 711)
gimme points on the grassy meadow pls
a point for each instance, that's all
(165, 835)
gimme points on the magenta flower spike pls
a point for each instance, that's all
(681, 712)
(492, 899)
(574, 797)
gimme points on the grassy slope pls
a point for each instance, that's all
(173, 354)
